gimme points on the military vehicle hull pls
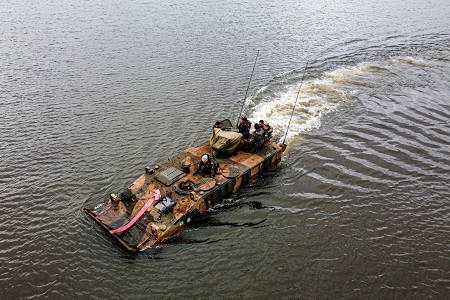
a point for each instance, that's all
(156, 207)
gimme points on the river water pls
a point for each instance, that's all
(94, 91)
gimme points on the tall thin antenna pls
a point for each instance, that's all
(245, 97)
(304, 72)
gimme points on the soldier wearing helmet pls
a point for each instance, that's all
(208, 166)
(244, 127)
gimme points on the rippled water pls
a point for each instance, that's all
(93, 91)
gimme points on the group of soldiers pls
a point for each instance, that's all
(262, 132)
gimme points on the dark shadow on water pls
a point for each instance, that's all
(212, 223)
(183, 240)
(227, 206)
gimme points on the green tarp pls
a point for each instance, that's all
(225, 142)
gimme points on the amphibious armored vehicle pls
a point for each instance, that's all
(168, 196)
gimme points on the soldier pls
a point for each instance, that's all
(187, 185)
(217, 125)
(259, 134)
(244, 127)
(208, 166)
(268, 129)
(255, 139)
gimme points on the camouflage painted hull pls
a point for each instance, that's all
(177, 208)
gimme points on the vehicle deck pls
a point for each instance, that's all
(176, 208)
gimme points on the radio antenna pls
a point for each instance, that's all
(245, 97)
(304, 72)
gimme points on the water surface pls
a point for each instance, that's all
(92, 92)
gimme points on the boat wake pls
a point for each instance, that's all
(321, 98)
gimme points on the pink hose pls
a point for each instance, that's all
(157, 195)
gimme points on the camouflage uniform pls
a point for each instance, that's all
(208, 168)
(256, 138)
(244, 128)
(259, 135)
(269, 131)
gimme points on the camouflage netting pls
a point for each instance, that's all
(225, 142)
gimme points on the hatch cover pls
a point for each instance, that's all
(230, 172)
(169, 176)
